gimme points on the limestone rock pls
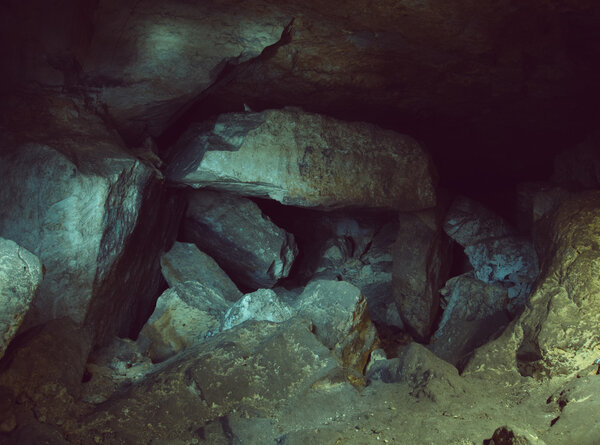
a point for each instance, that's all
(421, 256)
(146, 62)
(253, 369)
(261, 305)
(20, 275)
(338, 311)
(185, 262)
(474, 312)
(185, 315)
(95, 216)
(252, 250)
(305, 159)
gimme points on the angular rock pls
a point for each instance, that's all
(95, 216)
(422, 262)
(338, 311)
(261, 305)
(185, 262)
(20, 276)
(147, 62)
(253, 369)
(305, 159)
(474, 312)
(252, 250)
(185, 315)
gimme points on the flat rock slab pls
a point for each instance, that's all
(306, 159)
(185, 315)
(20, 275)
(261, 305)
(185, 262)
(252, 250)
(338, 311)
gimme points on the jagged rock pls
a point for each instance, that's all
(338, 311)
(163, 55)
(20, 275)
(556, 332)
(536, 199)
(185, 314)
(579, 167)
(261, 305)
(305, 159)
(185, 262)
(253, 369)
(474, 312)
(421, 256)
(95, 216)
(44, 368)
(252, 250)
(468, 222)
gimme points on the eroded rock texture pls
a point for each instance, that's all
(306, 159)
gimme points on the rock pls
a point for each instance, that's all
(556, 332)
(305, 159)
(252, 250)
(338, 311)
(468, 222)
(536, 199)
(20, 274)
(185, 315)
(421, 257)
(474, 312)
(43, 369)
(513, 436)
(253, 369)
(579, 167)
(96, 217)
(261, 305)
(185, 262)
(147, 63)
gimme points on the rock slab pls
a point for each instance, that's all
(261, 305)
(306, 159)
(20, 275)
(252, 250)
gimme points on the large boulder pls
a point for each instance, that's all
(306, 159)
(338, 311)
(558, 331)
(261, 305)
(185, 262)
(20, 276)
(252, 250)
(184, 315)
(421, 263)
(95, 216)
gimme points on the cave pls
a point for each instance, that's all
(299, 222)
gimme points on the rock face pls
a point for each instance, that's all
(338, 311)
(163, 55)
(306, 159)
(247, 245)
(262, 305)
(252, 369)
(421, 265)
(95, 216)
(185, 315)
(557, 332)
(474, 311)
(185, 262)
(20, 275)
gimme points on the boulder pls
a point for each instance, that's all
(253, 369)
(421, 256)
(20, 275)
(474, 311)
(306, 159)
(185, 315)
(261, 305)
(96, 217)
(147, 62)
(338, 311)
(252, 250)
(185, 262)
(558, 331)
